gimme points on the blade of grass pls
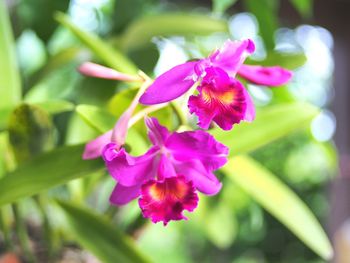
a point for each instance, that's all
(10, 82)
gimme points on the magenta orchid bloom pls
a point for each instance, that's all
(221, 98)
(167, 176)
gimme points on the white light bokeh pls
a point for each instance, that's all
(171, 54)
(317, 45)
(243, 25)
(33, 60)
(313, 81)
(84, 13)
(261, 95)
(323, 126)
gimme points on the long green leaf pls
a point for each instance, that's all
(270, 124)
(121, 101)
(280, 201)
(285, 60)
(143, 30)
(4, 117)
(101, 49)
(266, 14)
(220, 6)
(61, 59)
(10, 84)
(55, 106)
(304, 7)
(97, 118)
(46, 171)
(99, 236)
(3, 152)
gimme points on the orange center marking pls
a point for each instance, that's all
(226, 97)
(180, 190)
(156, 192)
(160, 192)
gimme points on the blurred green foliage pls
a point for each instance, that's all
(48, 111)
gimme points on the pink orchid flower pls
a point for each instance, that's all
(221, 98)
(167, 176)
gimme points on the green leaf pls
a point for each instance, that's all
(270, 124)
(103, 121)
(46, 171)
(10, 81)
(59, 83)
(304, 7)
(123, 15)
(99, 236)
(78, 131)
(95, 91)
(30, 131)
(121, 101)
(285, 60)
(4, 117)
(266, 14)
(57, 61)
(143, 30)
(220, 6)
(101, 49)
(55, 106)
(221, 225)
(43, 25)
(97, 118)
(3, 152)
(280, 201)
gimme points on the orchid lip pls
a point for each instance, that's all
(165, 200)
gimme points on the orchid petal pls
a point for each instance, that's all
(205, 114)
(232, 55)
(249, 115)
(129, 170)
(165, 168)
(170, 85)
(93, 149)
(122, 195)
(156, 132)
(203, 180)
(197, 145)
(269, 76)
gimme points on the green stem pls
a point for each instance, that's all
(179, 113)
(48, 234)
(110, 212)
(5, 230)
(23, 234)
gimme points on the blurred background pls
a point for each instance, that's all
(310, 37)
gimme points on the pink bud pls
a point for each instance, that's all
(94, 70)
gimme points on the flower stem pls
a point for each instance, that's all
(23, 234)
(5, 230)
(121, 127)
(179, 113)
(141, 114)
(48, 234)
